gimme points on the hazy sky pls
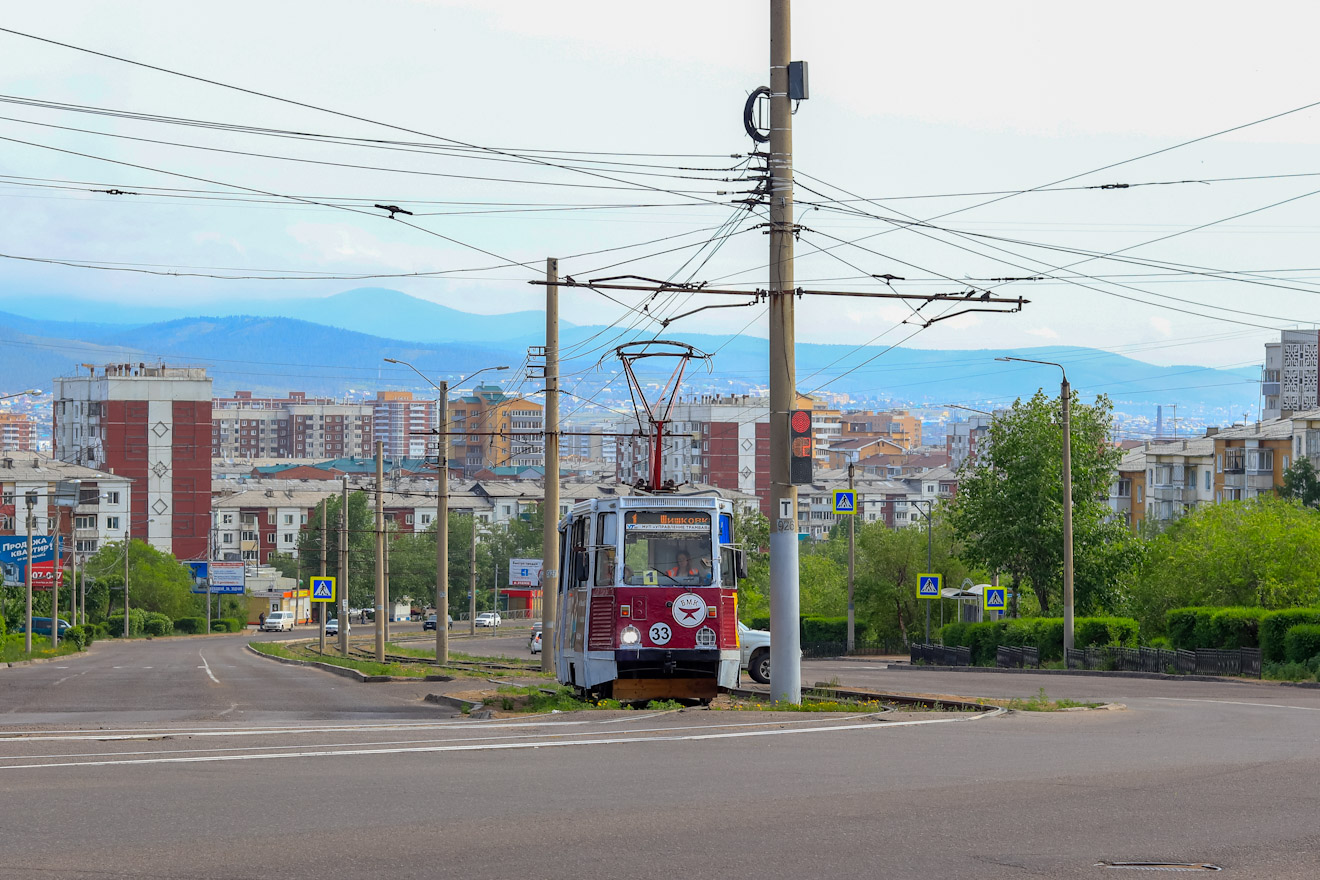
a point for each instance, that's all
(909, 103)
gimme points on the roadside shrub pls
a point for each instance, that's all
(1188, 627)
(1301, 642)
(4, 627)
(232, 624)
(1161, 642)
(1274, 628)
(157, 624)
(136, 622)
(190, 625)
(952, 634)
(1287, 672)
(1119, 631)
(76, 635)
(759, 623)
(91, 632)
(824, 629)
(219, 626)
(1043, 633)
(1236, 628)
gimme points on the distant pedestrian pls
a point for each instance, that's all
(261, 619)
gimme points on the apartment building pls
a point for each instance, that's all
(89, 508)
(963, 437)
(16, 432)
(404, 424)
(900, 426)
(1250, 459)
(504, 431)
(1290, 380)
(296, 426)
(826, 425)
(150, 423)
(720, 440)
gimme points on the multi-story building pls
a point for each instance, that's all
(1179, 477)
(16, 434)
(720, 440)
(152, 424)
(962, 438)
(247, 427)
(1250, 459)
(86, 506)
(502, 431)
(1290, 380)
(900, 426)
(404, 424)
(826, 425)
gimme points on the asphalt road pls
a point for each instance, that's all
(191, 758)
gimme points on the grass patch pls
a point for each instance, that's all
(366, 667)
(530, 698)
(310, 651)
(11, 648)
(808, 704)
(1042, 703)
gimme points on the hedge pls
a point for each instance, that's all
(227, 624)
(1274, 628)
(824, 629)
(759, 623)
(137, 619)
(157, 624)
(1043, 633)
(1301, 642)
(1189, 628)
(1208, 627)
(4, 627)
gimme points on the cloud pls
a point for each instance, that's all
(1043, 332)
(1163, 326)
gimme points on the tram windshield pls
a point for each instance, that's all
(667, 547)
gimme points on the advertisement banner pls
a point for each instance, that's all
(226, 577)
(524, 572)
(14, 561)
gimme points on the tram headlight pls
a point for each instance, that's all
(631, 635)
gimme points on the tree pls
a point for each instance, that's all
(361, 546)
(888, 562)
(1008, 513)
(1264, 552)
(1301, 483)
(156, 580)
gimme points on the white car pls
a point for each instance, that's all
(332, 627)
(534, 643)
(277, 621)
(755, 652)
(488, 618)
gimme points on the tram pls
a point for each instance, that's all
(648, 598)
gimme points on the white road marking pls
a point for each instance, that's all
(207, 667)
(232, 707)
(1238, 703)
(503, 746)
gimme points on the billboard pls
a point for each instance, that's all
(226, 577)
(14, 561)
(524, 572)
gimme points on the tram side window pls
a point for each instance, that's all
(565, 560)
(606, 539)
(576, 561)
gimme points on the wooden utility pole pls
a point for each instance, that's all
(785, 652)
(550, 510)
(472, 579)
(380, 551)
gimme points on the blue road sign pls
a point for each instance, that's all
(996, 599)
(928, 585)
(323, 589)
(845, 502)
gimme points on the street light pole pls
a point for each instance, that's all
(442, 509)
(1065, 396)
(852, 540)
(31, 499)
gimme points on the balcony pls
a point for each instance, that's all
(1181, 494)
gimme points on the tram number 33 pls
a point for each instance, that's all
(661, 634)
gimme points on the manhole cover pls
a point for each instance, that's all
(1160, 866)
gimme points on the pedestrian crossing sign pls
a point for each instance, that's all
(996, 599)
(845, 502)
(928, 585)
(323, 589)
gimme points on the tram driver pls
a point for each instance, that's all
(686, 571)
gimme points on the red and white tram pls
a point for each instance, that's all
(648, 598)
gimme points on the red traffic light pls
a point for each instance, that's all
(800, 421)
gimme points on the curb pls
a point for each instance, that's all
(345, 672)
(37, 660)
(1158, 676)
(452, 702)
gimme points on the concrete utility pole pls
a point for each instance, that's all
(323, 607)
(852, 542)
(380, 551)
(442, 533)
(550, 528)
(31, 500)
(58, 566)
(128, 545)
(785, 647)
(342, 584)
(472, 579)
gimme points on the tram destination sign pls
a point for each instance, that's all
(666, 521)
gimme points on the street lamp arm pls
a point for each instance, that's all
(432, 384)
(1030, 361)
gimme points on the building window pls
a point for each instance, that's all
(270, 539)
(270, 517)
(227, 538)
(249, 535)
(111, 522)
(227, 519)
(288, 519)
(288, 537)
(84, 522)
(408, 518)
(111, 497)
(1207, 481)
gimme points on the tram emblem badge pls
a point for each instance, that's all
(689, 610)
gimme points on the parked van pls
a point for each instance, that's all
(278, 621)
(41, 626)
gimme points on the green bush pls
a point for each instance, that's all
(824, 629)
(1274, 628)
(218, 626)
(1161, 642)
(1043, 633)
(190, 625)
(1301, 642)
(953, 633)
(4, 627)
(137, 619)
(232, 624)
(759, 623)
(1287, 672)
(76, 635)
(1188, 628)
(91, 632)
(1118, 631)
(157, 624)
(1236, 628)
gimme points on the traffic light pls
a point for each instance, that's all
(801, 447)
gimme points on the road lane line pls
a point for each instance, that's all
(207, 667)
(503, 746)
(1238, 703)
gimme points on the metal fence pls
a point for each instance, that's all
(940, 655)
(1017, 657)
(816, 650)
(1242, 661)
